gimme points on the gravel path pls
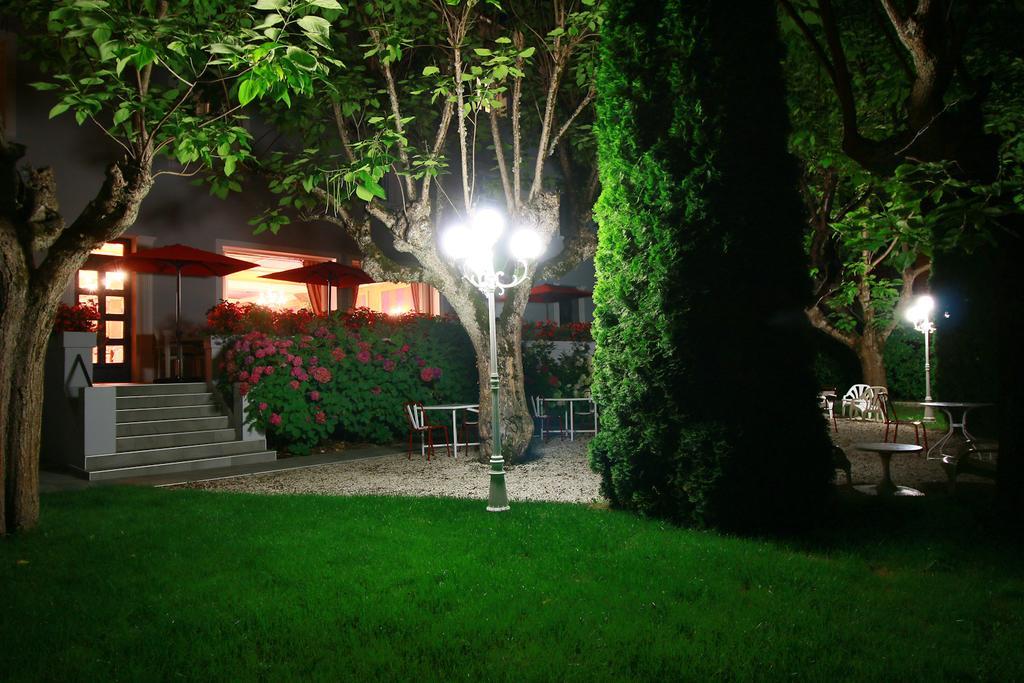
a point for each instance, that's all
(559, 473)
(907, 470)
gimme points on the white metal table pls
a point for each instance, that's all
(572, 424)
(956, 411)
(454, 408)
(885, 451)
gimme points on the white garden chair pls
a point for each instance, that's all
(857, 400)
(875, 410)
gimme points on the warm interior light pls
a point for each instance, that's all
(488, 224)
(456, 241)
(525, 244)
(398, 310)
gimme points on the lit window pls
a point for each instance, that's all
(88, 280)
(115, 305)
(110, 249)
(248, 286)
(114, 279)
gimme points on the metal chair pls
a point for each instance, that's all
(890, 419)
(542, 418)
(418, 423)
(467, 424)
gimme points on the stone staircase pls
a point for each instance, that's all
(170, 428)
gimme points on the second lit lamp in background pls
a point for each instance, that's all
(920, 315)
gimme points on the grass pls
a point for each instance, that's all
(139, 584)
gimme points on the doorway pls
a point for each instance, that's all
(110, 292)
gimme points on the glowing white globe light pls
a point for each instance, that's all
(914, 314)
(926, 303)
(457, 242)
(488, 223)
(525, 244)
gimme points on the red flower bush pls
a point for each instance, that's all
(547, 330)
(351, 377)
(78, 318)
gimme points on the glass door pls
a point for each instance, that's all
(110, 292)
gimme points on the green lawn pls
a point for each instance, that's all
(142, 584)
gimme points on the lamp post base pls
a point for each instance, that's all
(497, 497)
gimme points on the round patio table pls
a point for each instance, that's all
(956, 411)
(454, 408)
(885, 452)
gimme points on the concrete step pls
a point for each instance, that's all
(164, 400)
(155, 456)
(169, 388)
(183, 466)
(173, 439)
(148, 427)
(178, 413)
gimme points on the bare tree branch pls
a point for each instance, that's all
(396, 112)
(499, 154)
(561, 58)
(339, 123)
(572, 117)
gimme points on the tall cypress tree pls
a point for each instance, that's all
(703, 362)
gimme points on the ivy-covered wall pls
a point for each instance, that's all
(703, 361)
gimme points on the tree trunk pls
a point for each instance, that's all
(420, 240)
(26, 327)
(869, 349)
(30, 290)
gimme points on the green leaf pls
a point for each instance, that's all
(527, 53)
(101, 35)
(229, 165)
(59, 109)
(248, 90)
(270, 4)
(364, 194)
(482, 51)
(122, 115)
(430, 70)
(327, 4)
(317, 28)
(44, 86)
(301, 58)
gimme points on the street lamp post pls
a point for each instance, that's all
(472, 247)
(919, 314)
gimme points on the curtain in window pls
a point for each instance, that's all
(317, 294)
(415, 289)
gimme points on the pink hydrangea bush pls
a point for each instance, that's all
(347, 376)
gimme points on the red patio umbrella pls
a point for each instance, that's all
(178, 260)
(550, 294)
(330, 273)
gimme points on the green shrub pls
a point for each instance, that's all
(904, 363)
(348, 376)
(701, 275)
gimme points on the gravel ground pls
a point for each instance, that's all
(558, 472)
(907, 470)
